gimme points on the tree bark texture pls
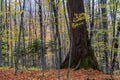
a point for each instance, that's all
(82, 55)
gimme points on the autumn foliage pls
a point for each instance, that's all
(90, 74)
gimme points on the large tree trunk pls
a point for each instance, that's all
(82, 55)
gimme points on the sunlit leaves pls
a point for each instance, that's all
(79, 19)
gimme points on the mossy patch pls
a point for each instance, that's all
(89, 61)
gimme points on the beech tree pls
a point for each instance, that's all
(82, 55)
(19, 37)
(1, 2)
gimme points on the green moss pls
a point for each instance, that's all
(88, 61)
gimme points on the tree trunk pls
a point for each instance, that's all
(82, 55)
(1, 9)
(11, 37)
(105, 35)
(42, 53)
(19, 37)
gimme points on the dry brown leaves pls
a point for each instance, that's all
(90, 74)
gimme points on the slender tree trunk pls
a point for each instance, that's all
(92, 23)
(53, 40)
(1, 9)
(19, 37)
(35, 23)
(115, 49)
(11, 36)
(44, 40)
(115, 42)
(55, 10)
(57, 35)
(105, 35)
(7, 29)
(42, 54)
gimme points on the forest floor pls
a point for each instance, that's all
(90, 74)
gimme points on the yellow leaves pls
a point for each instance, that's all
(2, 12)
(46, 0)
(49, 54)
(16, 3)
(11, 12)
(13, 4)
(104, 5)
(61, 11)
(12, 7)
(112, 4)
(79, 19)
(74, 25)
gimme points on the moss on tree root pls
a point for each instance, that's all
(86, 62)
(89, 61)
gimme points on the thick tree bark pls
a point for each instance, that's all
(82, 55)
